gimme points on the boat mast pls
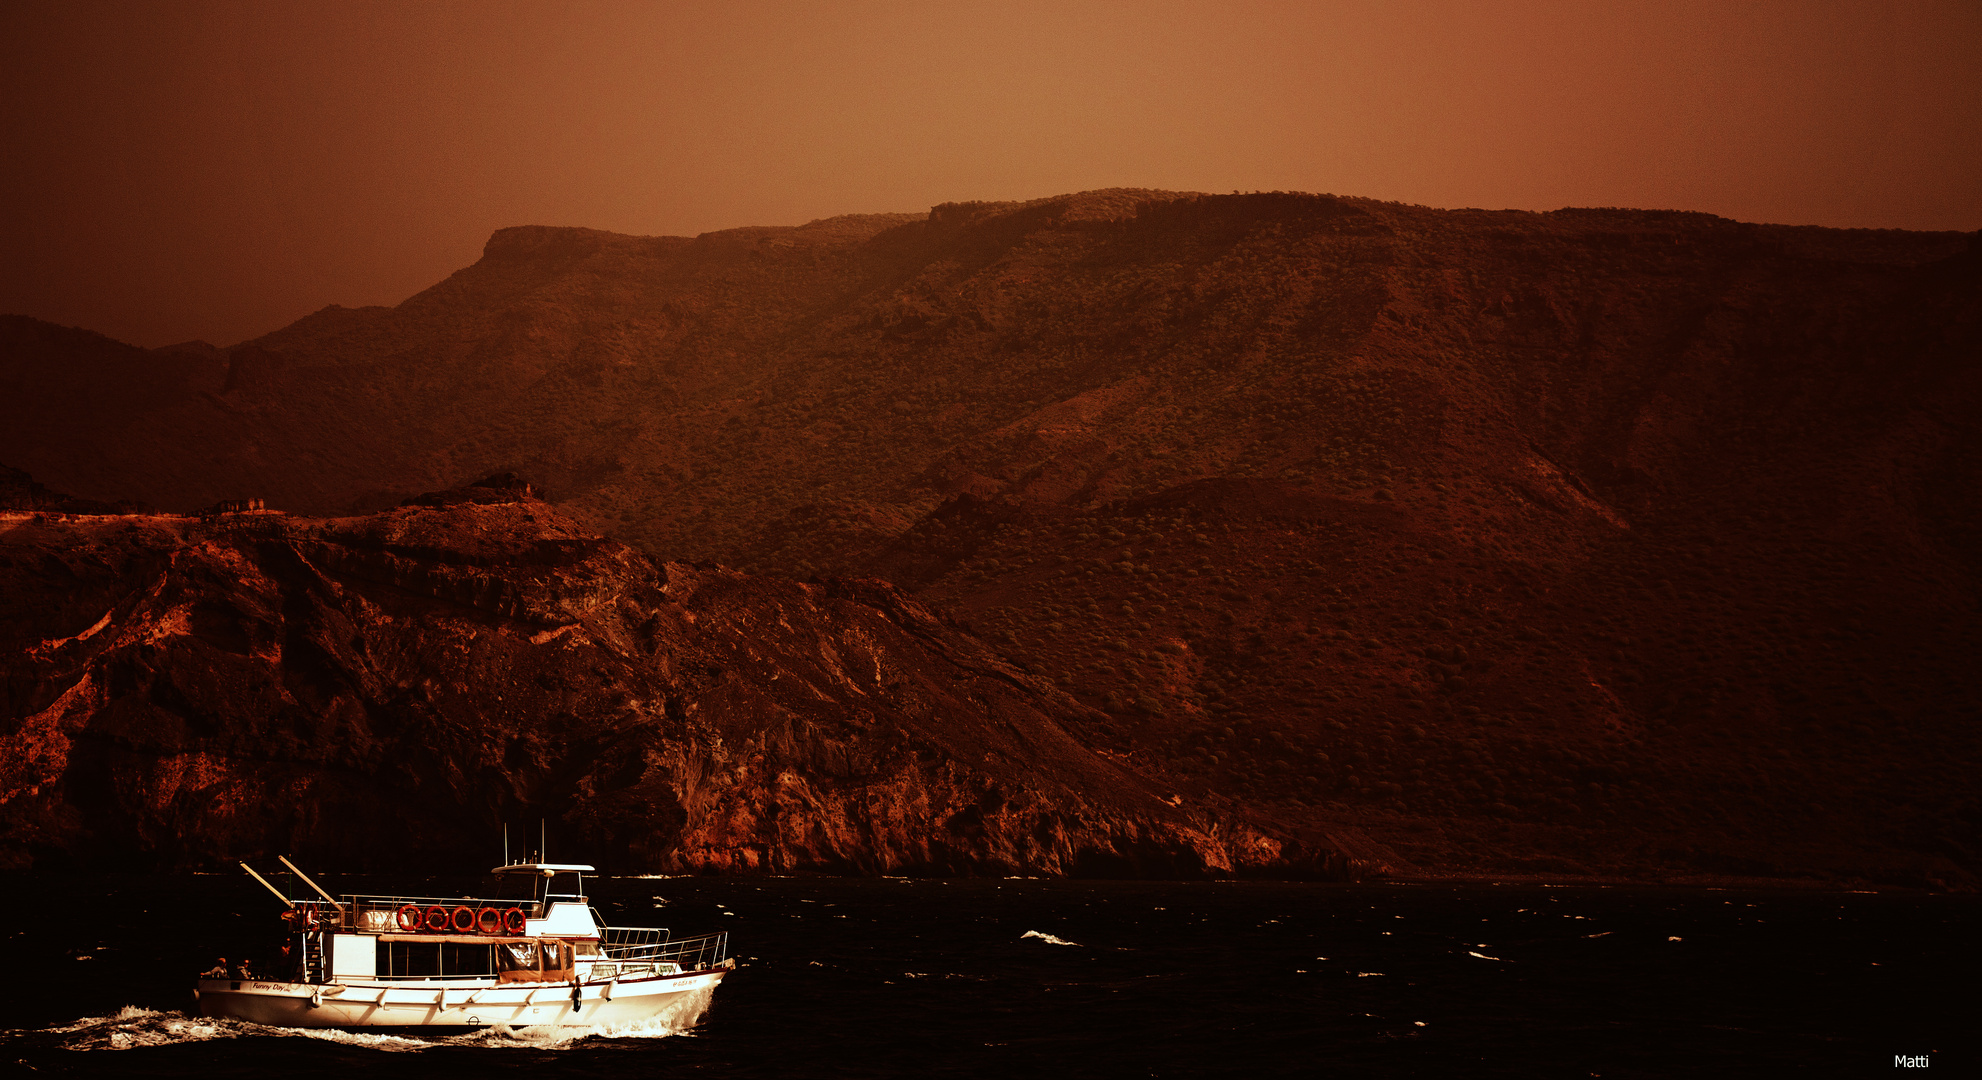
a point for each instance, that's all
(306, 880)
(278, 892)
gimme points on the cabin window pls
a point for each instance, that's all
(534, 955)
(518, 955)
(519, 889)
(425, 959)
(467, 959)
(409, 959)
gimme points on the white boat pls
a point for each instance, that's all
(539, 956)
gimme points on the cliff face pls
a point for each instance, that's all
(1606, 540)
(377, 690)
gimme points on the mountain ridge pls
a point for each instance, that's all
(1332, 507)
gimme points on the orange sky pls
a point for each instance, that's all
(216, 170)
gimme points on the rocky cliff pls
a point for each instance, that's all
(376, 690)
(1602, 540)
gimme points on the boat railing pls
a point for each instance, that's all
(450, 902)
(380, 914)
(631, 945)
(620, 937)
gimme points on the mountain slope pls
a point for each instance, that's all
(1599, 539)
(387, 688)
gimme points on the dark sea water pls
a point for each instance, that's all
(1055, 978)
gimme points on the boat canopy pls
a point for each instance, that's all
(542, 869)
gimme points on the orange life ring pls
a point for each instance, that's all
(437, 919)
(512, 920)
(462, 920)
(411, 917)
(488, 921)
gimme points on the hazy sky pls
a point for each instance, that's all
(217, 170)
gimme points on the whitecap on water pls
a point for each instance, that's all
(133, 1027)
(391, 1043)
(1047, 938)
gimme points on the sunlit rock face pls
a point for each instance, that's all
(384, 691)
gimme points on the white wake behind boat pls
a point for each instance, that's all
(542, 958)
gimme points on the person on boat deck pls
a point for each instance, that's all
(219, 969)
(240, 971)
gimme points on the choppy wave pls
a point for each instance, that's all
(366, 1039)
(1047, 938)
(133, 1027)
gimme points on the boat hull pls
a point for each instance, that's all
(369, 1005)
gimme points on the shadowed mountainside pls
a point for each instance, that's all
(379, 689)
(1599, 540)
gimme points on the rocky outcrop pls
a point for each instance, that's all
(373, 691)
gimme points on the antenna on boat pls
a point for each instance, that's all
(266, 885)
(306, 880)
(543, 841)
(505, 843)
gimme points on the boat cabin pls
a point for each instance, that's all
(530, 950)
(535, 925)
(553, 893)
